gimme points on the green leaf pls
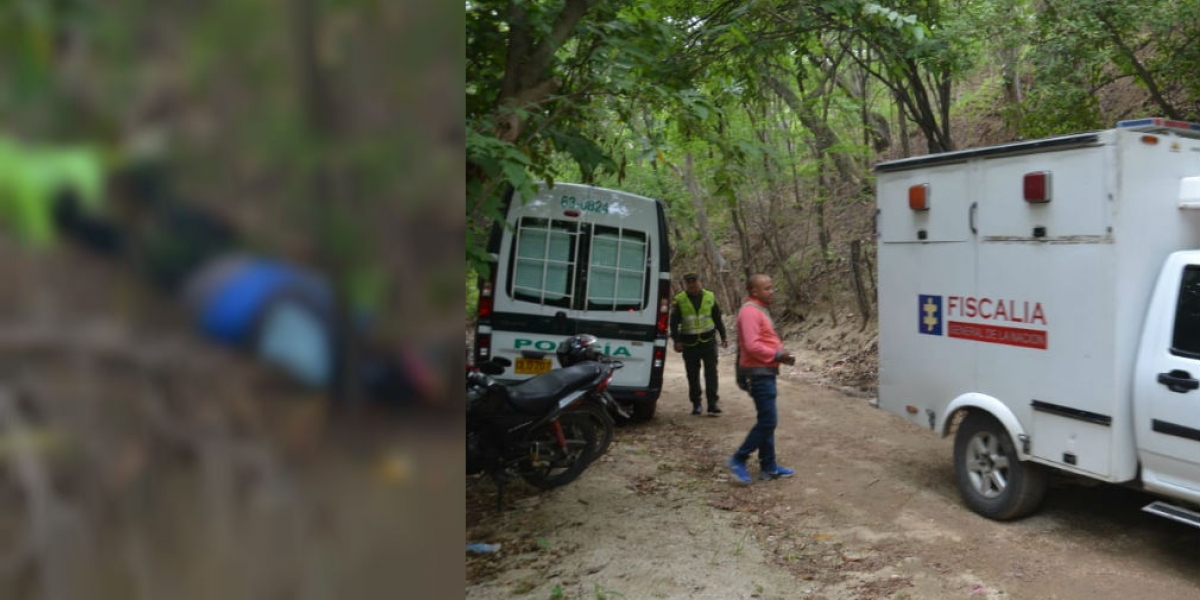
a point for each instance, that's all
(515, 173)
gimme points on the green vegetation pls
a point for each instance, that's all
(758, 122)
(31, 180)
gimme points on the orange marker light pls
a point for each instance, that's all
(918, 197)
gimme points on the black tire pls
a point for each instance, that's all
(548, 465)
(644, 411)
(604, 428)
(991, 479)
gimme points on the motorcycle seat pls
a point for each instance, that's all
(538, 395)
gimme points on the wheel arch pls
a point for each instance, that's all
(976, 402)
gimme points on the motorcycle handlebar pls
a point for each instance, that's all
(478, 379)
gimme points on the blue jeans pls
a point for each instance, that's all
(762, 435)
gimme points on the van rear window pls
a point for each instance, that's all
(616, 269)
(545, 261)
(548, 256)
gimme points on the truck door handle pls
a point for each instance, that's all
(1178, 381)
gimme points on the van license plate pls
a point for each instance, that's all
(532, 366)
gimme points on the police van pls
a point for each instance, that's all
(579, 259)
(1042, 300)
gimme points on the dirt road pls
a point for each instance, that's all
(872, 513)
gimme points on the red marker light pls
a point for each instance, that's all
(1036, 187)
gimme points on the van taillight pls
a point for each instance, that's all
(659, 355)
(483, 320)
(664, 314)
(485, 300)
(483, 347)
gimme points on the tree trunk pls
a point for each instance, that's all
(325, 183)
(876, 133)
(1139, 69)
(864, 305)
(922, 93)
(739, 224)
(797, 197)
(822, 232)
(781, 262)
(824, 138)
(688, 175)
(1011, 74)
(526, 81)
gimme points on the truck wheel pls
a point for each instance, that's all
(991, 479)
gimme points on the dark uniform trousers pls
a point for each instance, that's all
(693, 356)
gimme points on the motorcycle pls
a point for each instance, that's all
(582, 348)
(542, 430)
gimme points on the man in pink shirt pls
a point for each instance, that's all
(760, 354)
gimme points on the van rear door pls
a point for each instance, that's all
(581, 259)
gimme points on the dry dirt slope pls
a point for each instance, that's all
(873, 513)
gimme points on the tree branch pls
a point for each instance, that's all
(1142, 73)
(572, 12)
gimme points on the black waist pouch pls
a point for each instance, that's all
(741, 375)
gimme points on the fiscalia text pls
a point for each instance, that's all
(995, 309)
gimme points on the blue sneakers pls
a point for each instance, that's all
(738, 468)
(777, 473)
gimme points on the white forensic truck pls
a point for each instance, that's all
(1043, 299)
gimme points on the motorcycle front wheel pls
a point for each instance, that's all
(549, 464)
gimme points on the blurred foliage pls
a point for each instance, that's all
(324, 130)
(472, 293)
(32, 180)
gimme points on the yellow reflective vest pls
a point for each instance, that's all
(693, 322)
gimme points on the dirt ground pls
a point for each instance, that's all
(138, 461)
(872, 513)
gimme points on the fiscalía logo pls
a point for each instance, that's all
(929, 314)
(991, 320)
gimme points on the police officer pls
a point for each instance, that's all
(695, 323)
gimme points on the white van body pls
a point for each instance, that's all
(1052, 289)
(581, 259)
